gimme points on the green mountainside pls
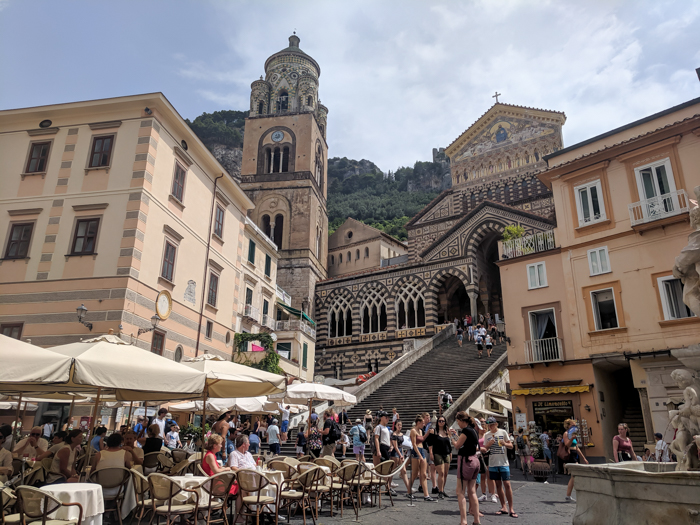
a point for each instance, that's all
(356, 188)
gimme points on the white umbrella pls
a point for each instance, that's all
(306, 392)
(243, 405)
(25, 366)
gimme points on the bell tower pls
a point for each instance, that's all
(283, 168)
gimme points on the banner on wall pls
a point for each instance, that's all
(256, 348)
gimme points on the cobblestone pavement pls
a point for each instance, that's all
(535, 503)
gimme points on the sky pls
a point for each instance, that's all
(399, 77)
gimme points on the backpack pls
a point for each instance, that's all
(334, 433)
(520, 441)
(361, 435)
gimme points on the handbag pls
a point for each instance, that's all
(482, 465)
(563, 451)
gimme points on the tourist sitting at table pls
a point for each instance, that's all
(56, 444)
(209, 464)
(112, 456)
(131, 448)
(32, 446)
(63, 464)
(5, 461)
(98, 441)
(152, 443)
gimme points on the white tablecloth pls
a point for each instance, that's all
(190, 482)
(89, 495)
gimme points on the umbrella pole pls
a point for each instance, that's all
(24, 412)
(128, 421)
(92, 426)
(17, 420)
(204, 414)
(70, 412)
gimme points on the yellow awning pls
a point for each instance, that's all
(551, 390)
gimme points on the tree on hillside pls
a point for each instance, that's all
(221, 127)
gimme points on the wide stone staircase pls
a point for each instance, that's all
(635, 421)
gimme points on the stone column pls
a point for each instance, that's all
(473, 296)
(646, 414)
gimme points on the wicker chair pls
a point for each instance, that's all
(114, 482)
(163, 491)
(381, 480)
(288, 470)
(343, 487)
(150, 461)
(302, 497)
(218, 488)
(143, 502)
(253, 482)
(361, 482)
(178, 455)
(292, 461)
(36, 505)
(306, 459)
(7, 501)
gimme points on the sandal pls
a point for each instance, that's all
(514, 515)
(501, 513)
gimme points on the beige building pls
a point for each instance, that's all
(116, 205)
(592, 308)
(355, 247)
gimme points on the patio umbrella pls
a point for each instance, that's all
(26, 366)
(227, 379)
(309, 392)
(243, 405)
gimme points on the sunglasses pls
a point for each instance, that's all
(35, 435)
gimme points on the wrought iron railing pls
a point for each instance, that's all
(537, 242)
(660, 207)
(543, 350)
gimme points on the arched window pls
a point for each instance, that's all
(332, 259)
(276, 161)
(373, 312)
(285, 159)
(508, 163)
(349, 256)
(319, 166)
(340, 258)
(279, 230)
(266, 226)
(489, 194)
(318, 242)
(537, 155)
(410, 306)
(268, 160)
(366, 252)
(340, 318)
(323, 130)
(283, 101)
(309, 100)
(357, 255)
(261, 107)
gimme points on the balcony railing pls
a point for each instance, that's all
(544, 350)
(268, 322)
(535, 243)
(251, 312)
(284, 296)
(659, 207)
(296, 325)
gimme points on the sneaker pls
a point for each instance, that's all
(394, 484)
(570, 498)
(494, 498)
(483, 497)
(428, 498)
(393, 492)
(444, 495)
(410, 496)
(440, 496)
(435, 490)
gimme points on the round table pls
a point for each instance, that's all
(190, 482)
(89, 495)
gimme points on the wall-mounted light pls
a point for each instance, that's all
(517, 409)
(148, 111)
(154, 324)
(588, 408)
(82, 311)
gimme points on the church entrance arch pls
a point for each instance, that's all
(448, 296)
(483, 248)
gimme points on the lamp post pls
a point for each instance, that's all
(154, 324)
(82, 311)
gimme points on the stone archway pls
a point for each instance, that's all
(448, 295)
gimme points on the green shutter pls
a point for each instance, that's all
(303, 358)
(251, 252)
(268, 265)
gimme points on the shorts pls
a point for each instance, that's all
(358, 449)
(285, 426)
(547, 453)
(300, 450)
(486, 459)
(479, 347)
(254, 447)
(424, 453)
(275, 448)
(384, 451)
(459, 337)
(441, 460)
(489, 347)
(478, 479)
(414, 454)
(499, 473)
(467, 468)
(394, 454)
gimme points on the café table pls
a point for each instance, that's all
(192, 482)
(89, 495)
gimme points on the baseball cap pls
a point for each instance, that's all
(491, 420)
(168, 415)
(274, 421)
(381, 413)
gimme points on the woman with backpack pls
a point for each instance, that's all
(358, 434)
(523, 451)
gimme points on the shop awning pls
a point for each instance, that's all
(296, 313)
(551, 390)
(503, 402)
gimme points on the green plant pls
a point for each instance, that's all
(189, 432)
(269, 363)
(513, 231)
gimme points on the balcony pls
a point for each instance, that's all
(268, 322)
(657, 208)
(284, 296)
(544, 350)
(527, 245)
(251, 313)
(296, 325)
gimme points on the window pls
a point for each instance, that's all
(304, 355)
(284, 350)
(340, 258)
(282, 101)
(309, 100)
(178, 354)
(209, 330)
(598, 261)
(410, 306)
(101, 152)
(248, 296)
(604, 311)
(671, 291)
(340, 318)
(85, 236)
(268, 265)
(373, 311)
(285, 159)
(349, 257)
(536, 276)
(589, 203)
(213, 289)
(251, 251)
(332, 259)
(357, 255)
(18, 242)
(366, 252)
(261, 107)
(38, 157)
(158, 342)
(13, 330)
(219, 222)
(266, 307)
(265, 226)
(657, 189)
(178, 190)
(279, 228)
(318, 242)
(168, 270)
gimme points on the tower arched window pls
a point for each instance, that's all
(309, 100)
(340, 318)
(276, 158)
(268, 160)
(318, 242)
(373, 312)
(279, 230)
(266, 226)
(285, 159)
(283, 101)
(357, 255)
(537, 155)
(332, 259)
(366, 252)
(340, 258)
(319, 165)
(349, 256)
(410, 306)
(261, 107)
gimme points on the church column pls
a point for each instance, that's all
(473, 297)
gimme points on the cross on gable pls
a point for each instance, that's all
(496, 96)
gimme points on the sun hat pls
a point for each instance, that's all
(358, 420)
(368, 411)
(169, 415)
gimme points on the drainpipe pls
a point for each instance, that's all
(206, 265)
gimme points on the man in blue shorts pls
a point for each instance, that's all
(496, 440)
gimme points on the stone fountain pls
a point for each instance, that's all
(636, 492)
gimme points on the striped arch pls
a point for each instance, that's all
(431, 300)
(477, 235)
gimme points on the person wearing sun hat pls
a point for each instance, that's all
(367, 420)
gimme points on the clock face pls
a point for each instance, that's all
(277, 136)
(163, 305)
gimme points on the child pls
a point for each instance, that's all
(172, 438)
(460, 333)
(489, 345)
(479, 342)
(301, 442)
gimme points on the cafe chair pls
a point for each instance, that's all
(362, 482)
(200, 470)
(306, 459)
(328, 461)
(254, 504)
(343, 487)
(114, 482)
(292, 461)
(179, 455)
(179, 469)
(144, 504)
(381, 480)
(163, 491)
(7, 501)
(150, 461)
(35, 505)
(165, 463)
(288, 470)
(298, 493)
(218, 488)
